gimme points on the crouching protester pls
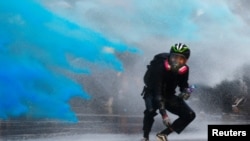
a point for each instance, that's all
(164, 74)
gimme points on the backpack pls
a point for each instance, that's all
(158, 59)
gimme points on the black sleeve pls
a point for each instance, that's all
(183, 83)
(157, 84)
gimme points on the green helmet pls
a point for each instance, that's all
(180, 48)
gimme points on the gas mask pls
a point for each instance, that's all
(176, 63)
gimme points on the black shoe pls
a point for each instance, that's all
(161, 137)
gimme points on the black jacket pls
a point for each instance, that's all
(162, 82)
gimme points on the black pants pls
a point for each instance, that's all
(174, 105)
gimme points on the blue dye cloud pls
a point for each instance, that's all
(34, 48)
(37, 45)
